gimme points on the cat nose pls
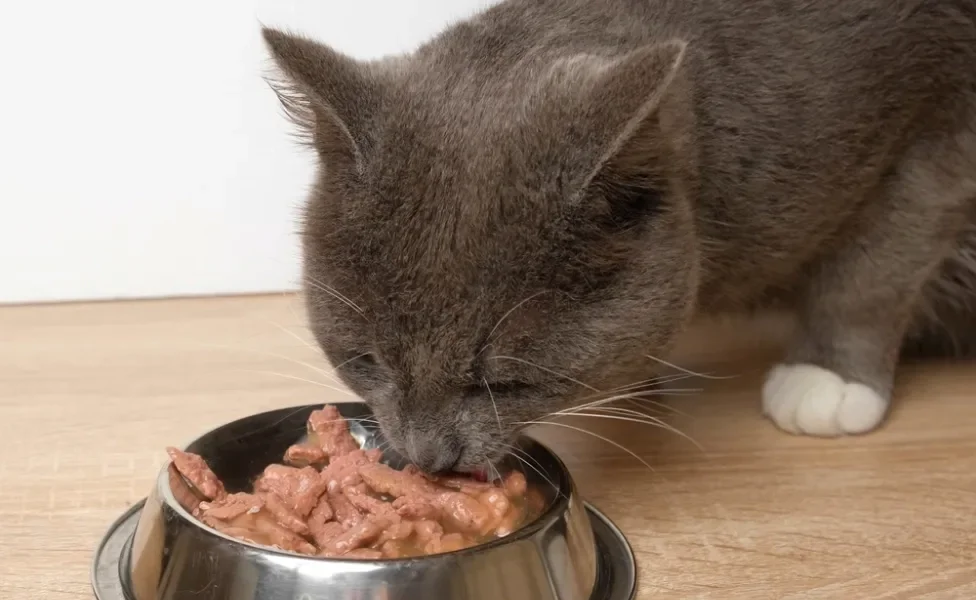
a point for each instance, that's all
(433, 455)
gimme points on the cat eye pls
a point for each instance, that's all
(631, 203)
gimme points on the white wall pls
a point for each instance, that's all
(141, 153)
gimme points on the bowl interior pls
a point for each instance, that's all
(239, 451)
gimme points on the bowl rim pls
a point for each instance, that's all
(565, 492)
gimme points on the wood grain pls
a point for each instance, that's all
(91, 393)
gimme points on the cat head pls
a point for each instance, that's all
(486, 244)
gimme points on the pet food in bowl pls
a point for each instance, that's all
(162, 548)
(332, 498)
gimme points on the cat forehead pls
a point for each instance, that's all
(428, 230)
(472, 171)
(474, 113)
(484, 161)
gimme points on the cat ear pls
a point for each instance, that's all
(636, 126)
(329, 96)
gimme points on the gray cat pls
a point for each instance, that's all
(508, 220)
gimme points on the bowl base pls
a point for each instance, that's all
(106, 570)
(616, 576)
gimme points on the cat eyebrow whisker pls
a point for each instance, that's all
(547, 370)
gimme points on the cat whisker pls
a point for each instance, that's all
(347, 361)
(291, 333)
(269, 426)
(639, 396)
(335, 294)
(291, 305)
(492, 472)
(317, 383)
(637, 386)
(649, 391)
(330, 288)
(653, 381)
(302, 363)
(688, 371)
(633, 416)
(649, 407)
(519, 451)
(659, 407)
(596, 435)
(619, 410)
(412, 441)
(493, 404)
(384, 446)
(522, 456)
(547, 370)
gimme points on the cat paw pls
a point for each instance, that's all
(815, 401)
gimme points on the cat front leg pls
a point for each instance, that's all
(838, 374)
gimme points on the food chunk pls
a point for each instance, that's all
(305, 455)
(363, 534)
(232, 506)
(346, 512)
(465, 512)
(343, 470)
(258, 526)
(197, 472)
(299, 488)
(515, 484)
(497, 501)
(331, 432)
(284, 514)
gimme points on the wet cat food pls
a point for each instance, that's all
(332, 498)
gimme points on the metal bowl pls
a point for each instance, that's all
(158, 551)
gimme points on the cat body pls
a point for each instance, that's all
(507, 221)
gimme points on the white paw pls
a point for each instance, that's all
(816, 401)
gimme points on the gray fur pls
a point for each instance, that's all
(564, 184)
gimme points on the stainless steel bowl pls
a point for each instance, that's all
(158, 551)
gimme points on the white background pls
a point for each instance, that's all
(141, 152)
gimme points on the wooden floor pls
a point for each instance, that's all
(91, 393)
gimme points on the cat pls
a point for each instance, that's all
(507, 221)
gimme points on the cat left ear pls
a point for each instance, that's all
(637, 123)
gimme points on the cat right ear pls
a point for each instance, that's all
(329, 96)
